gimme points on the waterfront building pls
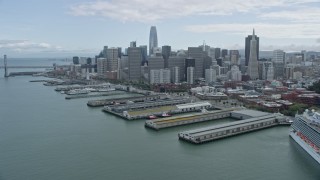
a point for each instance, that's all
(166, 51)
(153, 39)
(198, 55)
(210, 75)
(190, 75)
(248, 48)
(253, 59)
(135, 57)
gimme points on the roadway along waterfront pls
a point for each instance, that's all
(43, 136)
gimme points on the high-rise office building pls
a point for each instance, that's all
(224, 53)
(253, 59)
(102, 66)
(267, 70)
(248, 47)
(159, 76)
(112, 59)
(198, 55)
(155, 62)
(210, 75)
(217, 52)
(144, 49)
(175, 74)
(189, 62)
(190, 75)
(166, 51)
(178, 61)
(134, 61)
(153, 39)
(278, 68)
(278, 56)
(133, 44)
(234, 57)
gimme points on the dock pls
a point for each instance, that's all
(189, 119)
(143, 110)
(112, 93)
(106, 102)
(212, 133)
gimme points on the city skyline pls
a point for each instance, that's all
(81, 27)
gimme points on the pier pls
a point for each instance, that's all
(189, 119)
(211, 133)
(143, 110)
(105, 102)
(112, 93)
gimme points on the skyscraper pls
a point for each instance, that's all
(134, 61)
(278, 56)
(198, 55)
(153, 39)
(166, 51)
(253, 59)
(248, 47)
(189, 62)
(112, 59)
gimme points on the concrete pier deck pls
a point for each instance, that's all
(211, 133)
(105, 102)
(112, 93)
(188, 119)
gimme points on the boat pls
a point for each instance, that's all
(152, 117)
(106, 89)
(306, 132)
(165, 115)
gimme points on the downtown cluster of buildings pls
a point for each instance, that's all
(197, 65)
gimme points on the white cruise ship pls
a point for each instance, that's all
(306, 132)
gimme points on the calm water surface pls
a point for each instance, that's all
(44, 136)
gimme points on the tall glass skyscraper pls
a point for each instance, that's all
(153, 39)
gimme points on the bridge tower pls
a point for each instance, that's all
(5, 66)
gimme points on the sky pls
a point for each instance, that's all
(63, 28)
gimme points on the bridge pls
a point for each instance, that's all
(25, 67)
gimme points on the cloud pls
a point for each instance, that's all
(151, 11)
(267, 30)
(26, 45)
(301, 15)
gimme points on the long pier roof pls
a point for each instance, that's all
(217, 128)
